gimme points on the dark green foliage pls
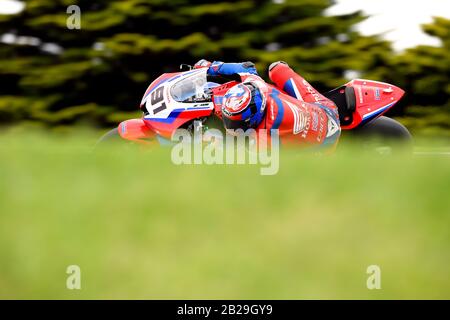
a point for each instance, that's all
(424, 71)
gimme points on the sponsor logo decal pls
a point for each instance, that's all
(301, 123)
(377, 94)
(321, 127)
(123, 127)
(361, 98)
(315, 120)
(332, 127)
(311, 91)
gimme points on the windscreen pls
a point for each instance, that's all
(191, 89)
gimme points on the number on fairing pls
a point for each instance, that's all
(156, 98)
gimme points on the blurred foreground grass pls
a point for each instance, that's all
(141, 227)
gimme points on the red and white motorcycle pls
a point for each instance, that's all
(176, 100)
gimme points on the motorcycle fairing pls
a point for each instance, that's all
(364, 100)
(135, 130)
(372, 99)
(163, 113)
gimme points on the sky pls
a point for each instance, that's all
(398, 20)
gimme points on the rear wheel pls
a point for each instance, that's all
(382, 135)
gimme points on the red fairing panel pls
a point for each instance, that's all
(373, 99)
(135, 130)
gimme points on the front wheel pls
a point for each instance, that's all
(111, 138)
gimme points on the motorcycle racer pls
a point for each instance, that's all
(298, 110)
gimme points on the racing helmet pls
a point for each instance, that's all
(243, 106)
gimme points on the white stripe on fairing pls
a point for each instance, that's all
(378, 110)
(296, 92)
(373, 81)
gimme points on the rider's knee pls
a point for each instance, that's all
(274, 64)
(278, 71)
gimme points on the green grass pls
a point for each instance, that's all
(141, 227)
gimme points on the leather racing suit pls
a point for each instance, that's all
(294, 107)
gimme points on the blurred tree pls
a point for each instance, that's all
(55, 75)
(424, 71)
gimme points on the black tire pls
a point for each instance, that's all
(109, 138)
(383, 135)
(386, 128)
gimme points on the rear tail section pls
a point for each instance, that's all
(361, 101)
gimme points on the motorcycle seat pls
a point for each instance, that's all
(345, 99)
